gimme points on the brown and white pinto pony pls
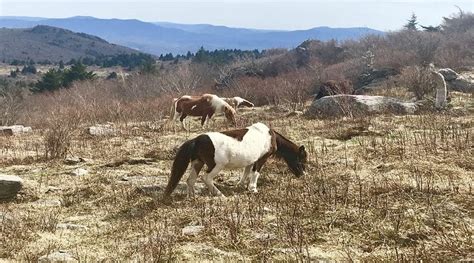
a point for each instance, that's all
(204, 106)
(247, 148)
(238, 101)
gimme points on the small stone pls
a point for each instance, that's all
(58, 256)
(294, 113)
(192, 230)
(9, 186)
(70, 226)
(101, 130)
(79, 172)
(73, 160)
(264, 236)
(52, 189)
(47, 203)
(4, 217)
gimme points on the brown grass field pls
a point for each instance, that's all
(381, 188)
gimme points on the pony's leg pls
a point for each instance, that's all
(253, 182)
(208, 180)
(209, 118)
(245, 177)
(182, 119)
(176, 116)
(196, 167)
(257, 166)
(203, 122)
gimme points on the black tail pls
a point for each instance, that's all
(180, 164)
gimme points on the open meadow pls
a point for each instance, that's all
(378, 188)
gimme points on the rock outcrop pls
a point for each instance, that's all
(358, 105)
(14, 129)
(9, 186)
(456, 81)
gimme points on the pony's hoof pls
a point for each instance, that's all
(253, 190)
(221, 197)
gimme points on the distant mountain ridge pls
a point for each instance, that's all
(47, 43)
(164, 37)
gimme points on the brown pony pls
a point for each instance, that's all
(204, 106)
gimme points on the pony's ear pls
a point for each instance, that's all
(302, 149)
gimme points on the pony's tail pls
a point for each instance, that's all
(247, 103)
(180, 164)
(173, 109)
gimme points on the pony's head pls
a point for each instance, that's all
(230, 114)
(297, 163)
(294, 156)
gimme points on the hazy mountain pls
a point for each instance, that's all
(163, 37)
(42, 43)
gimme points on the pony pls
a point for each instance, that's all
(235, 102)
(204, 106)
(247, 148)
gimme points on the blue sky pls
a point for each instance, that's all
(264, 14)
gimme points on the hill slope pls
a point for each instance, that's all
(163, 37)
(42, 43)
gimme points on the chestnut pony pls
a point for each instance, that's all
(204, 106)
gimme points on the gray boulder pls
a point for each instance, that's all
(101, 130)
(358, 105)
(456, 81)
(461, 84)
(14, 129)
(448, 74)
(9, 186)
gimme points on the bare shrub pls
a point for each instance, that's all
(279, 65)
(456, 51)
(139, 98)
(61, 126)
(327, 53)
(417, 80)
(11, 102)
(181, 80)
(291, 88)
(460, 22)
(347, 70)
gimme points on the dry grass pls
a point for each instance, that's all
(378, 189)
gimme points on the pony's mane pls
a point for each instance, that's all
(284, 148)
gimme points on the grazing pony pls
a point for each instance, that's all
(204, 106)
(238, 101)
(247, 148)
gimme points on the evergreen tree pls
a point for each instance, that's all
(412, 23)
(431, 28)
(189, 55)
(76, 72)
(112, 75)
(51, 80)
(13, 73)
(29, 69)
